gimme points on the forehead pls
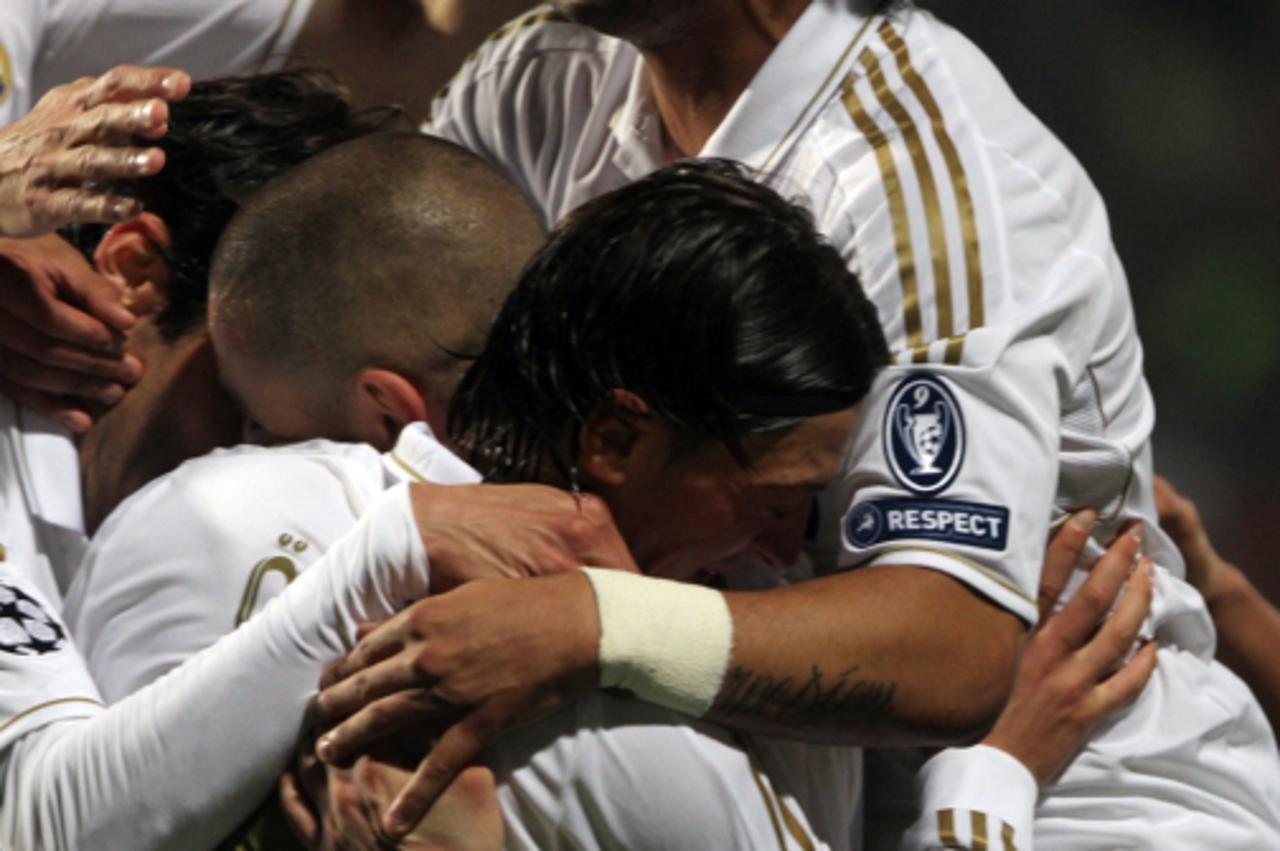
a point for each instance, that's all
(808, 454)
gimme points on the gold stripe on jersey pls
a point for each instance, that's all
(897, 210)
(947, 828)
(772, 802)
(959, 184)
(820, 92)
(38, 707)
(404, 465)
(928, 187)
(768, 805)
(978, 831)
(1006, 835)
(794, 827)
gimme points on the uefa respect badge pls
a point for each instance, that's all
(923, 434)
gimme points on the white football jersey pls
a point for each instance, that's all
(42, 677)
(41, 518)
(1016, 394)
(976, 234)
(198, 551)
(44, 43)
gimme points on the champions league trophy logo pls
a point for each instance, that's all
(922, 432)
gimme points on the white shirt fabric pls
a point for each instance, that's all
(1016, 394)
(42, 678)
(976, 798)
(41, 518)
(199, 550)
(168, 767)
(44, 43)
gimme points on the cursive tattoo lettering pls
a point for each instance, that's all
(781, 698)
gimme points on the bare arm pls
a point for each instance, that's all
(1248, 624)
(397, 51)
(889, 654)
(900, 654)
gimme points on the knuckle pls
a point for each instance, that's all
(1094, 600)
(85, 160)
(112, 81)
(426, 662)
(438, 769)
(377, 715)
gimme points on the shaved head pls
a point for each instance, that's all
(391, 252)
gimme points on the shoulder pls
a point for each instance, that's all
(543, 43)
(538, 34)
(244, 494)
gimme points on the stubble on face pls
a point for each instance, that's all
(644, 23)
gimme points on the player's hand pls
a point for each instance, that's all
(1073, 671)
(50, 158)
(1180, 518)
(473, 663)
(61, 332)
(497, 531)
(332, 808)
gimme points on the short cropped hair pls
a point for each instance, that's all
(226, 139)
(701, 291)
(393, 252)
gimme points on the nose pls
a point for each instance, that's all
(780, 542)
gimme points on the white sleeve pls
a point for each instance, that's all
(505, 106)
(196, 552)
(990, 263)
(208, 38)
(978, 797)
(181, 762)
(612, 772)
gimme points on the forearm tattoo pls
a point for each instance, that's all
(751, 694)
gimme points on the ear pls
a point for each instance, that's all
(610, 439)
(385, 403)
(131, 255)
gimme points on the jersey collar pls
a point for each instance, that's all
(636, 127)
(791, 87)
(420, 457)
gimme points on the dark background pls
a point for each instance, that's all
(1174, 110)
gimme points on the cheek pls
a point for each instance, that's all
(209, 421)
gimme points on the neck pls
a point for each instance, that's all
(175, 412)
(696, 78)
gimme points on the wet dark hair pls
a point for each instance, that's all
(226, 139)
(702, 292)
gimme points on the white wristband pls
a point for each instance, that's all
(666, 642)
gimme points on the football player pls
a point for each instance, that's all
(1016, 393)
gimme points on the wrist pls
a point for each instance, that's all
(668, 643)
(581, 620)
(1228, 587)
